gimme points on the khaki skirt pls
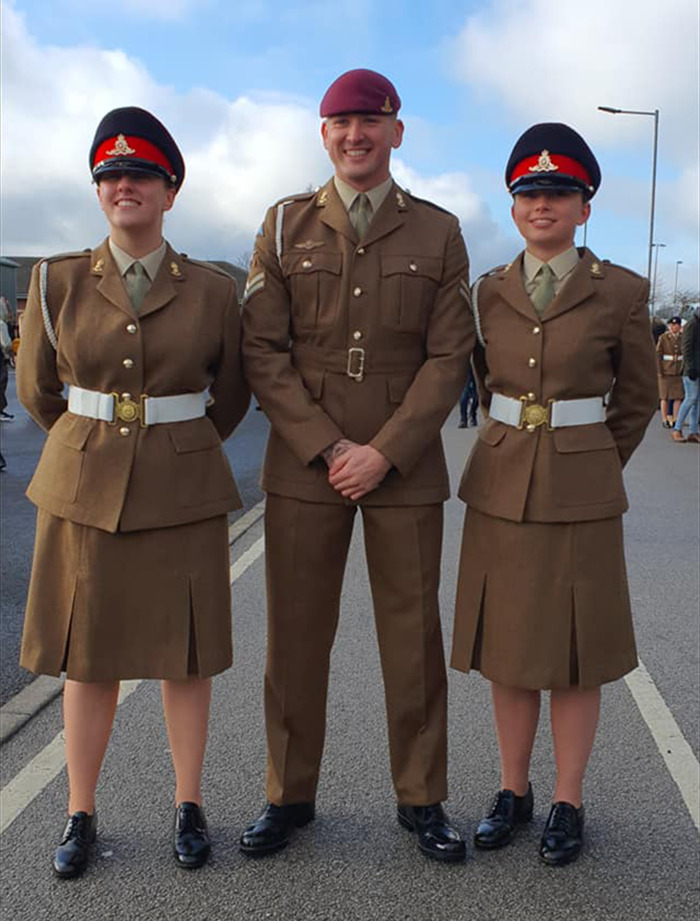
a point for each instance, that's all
(543, 605)
(137, 604)
(671, 388)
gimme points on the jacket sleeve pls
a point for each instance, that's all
(229, 390)
(437, 385)
(691, 348)
(634, 394)
(267, 358)
(39, 387)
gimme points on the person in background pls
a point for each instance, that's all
(669, 355)
(6, 354)
(356, 342)
(691, 372)
(542, 600)
(130, 577)
(469, 402)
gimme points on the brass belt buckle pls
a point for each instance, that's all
(356, 364)
(127, 410)
(533, 414)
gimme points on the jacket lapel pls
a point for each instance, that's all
(104, 270)
(389, 217)
(512, 288)
(333, 211)
(579, 287)
(164, 288)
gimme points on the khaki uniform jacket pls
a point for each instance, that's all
(670, 345)
(593, 339)
(399, 300)
(185, 339)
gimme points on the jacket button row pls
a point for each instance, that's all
(124, 431)
(361, 251)
(357, 335)
(132, 328)
(413, 267)
(531, 428)
(128, 363)
(532, 362)
(357, 292)
(536, 330)
(531, 397)
(306, 264)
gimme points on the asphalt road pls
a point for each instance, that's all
(354, 863)
(21, 442)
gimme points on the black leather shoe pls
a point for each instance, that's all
(436, 837)
(191, 844)
(508, 811)
(72, 853)
(562, 838)
(270, 831)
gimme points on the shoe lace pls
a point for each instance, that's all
(500, 805)
(563, 820)
(76, 829)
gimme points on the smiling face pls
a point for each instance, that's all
(134, 205)
(547, 220)
(360, 147)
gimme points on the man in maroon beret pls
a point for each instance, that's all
(357, 341)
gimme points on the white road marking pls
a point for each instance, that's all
(41, 770)
(679, 756)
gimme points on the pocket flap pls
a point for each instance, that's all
(308, 263)
(492, 432)
(421, 266)
(198, 435)
(73, 431)
(576, 438)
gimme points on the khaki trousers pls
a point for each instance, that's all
(306, 552)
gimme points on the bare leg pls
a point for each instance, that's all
(664, 410)
(574, 715)
(88, 714)
(186, 709)
(517, 712)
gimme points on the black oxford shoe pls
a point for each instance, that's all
(508, 811)
(191, 844)
(73, 852)
(562, 838)
(436, 837)
(270, 831)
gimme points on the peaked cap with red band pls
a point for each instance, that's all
(552, 156)
(132, 140)
(360, 91)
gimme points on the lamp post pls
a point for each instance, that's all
(656, 268)
(655, 116)
(675, 284)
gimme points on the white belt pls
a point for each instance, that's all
(113, 407)
(671, 357)
(524, 413)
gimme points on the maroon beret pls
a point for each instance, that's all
(360, 91)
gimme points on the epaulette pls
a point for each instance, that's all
(623, 268)
(426, 201)
(300, 196)
(203, 264)
(59, 256)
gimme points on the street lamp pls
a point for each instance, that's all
(655, 116)
(656, 268)
(675, 284)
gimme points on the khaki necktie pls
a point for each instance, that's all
(543, 292)
(361, 214)
(137, 283)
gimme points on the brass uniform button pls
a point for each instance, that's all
(357, 335)
(531, 396)
(361, 251)
(126, 396)
(128, 363)
(124, 431)
(131, 328)
(531, 428)
(357, 292)
(306, 264)
(413, 267)
(536, 330)
(532, 362)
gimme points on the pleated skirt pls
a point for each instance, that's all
(543, 605)
(138, 604)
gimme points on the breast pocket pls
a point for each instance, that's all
(314, 283)
(408, 287)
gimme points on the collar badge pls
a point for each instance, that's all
(596, 269)
(99, 266)
(175, 270)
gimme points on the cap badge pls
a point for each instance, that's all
(544, 164)
(121, 148)
(175, 270)
(308, 244)
(98, 267)
(387, 107)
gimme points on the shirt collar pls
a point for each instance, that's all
(150, 262)
(561, 265)
(376, 195)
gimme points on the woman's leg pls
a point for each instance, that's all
(88, 714)
(664, 411)
(516, 712)
(574, 715)
(186, 709)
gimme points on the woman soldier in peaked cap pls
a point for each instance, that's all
(130, 362)
(542, 599)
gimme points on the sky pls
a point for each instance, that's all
(239, 84)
